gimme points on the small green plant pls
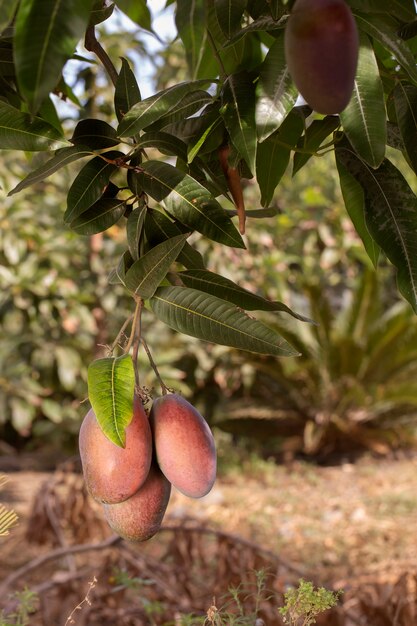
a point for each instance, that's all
(26, 604)
(304, 603)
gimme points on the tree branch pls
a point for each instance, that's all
(93, 45)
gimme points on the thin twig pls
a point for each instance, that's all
(136, 342)
(134, 323)
(93, 45)
(120, 333)
(164, 388)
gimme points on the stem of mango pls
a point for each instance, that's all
(164, 388)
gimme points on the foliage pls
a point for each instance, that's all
(304, 603)
(160, 166)
(26, 604)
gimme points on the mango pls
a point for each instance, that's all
(184, 445)
(140, 517)
(113, 474)
(321, 49)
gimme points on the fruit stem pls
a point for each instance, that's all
(119, 334)
(164, 388)
(136, 337)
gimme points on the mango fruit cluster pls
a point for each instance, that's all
(321, 50)
(175, 446)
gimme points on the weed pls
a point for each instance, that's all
(304, 603)
(26, 604)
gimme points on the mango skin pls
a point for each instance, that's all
(184, 445)
(113, 474)
(321, 49)
(139, 518)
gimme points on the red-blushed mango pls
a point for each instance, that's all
(184, 445)
(140, 517)
(321, 49)
(113, 474)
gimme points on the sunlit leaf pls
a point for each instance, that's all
(137, 11)
(190, 20)
(209, 318)
(111, 385)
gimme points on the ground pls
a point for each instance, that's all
(334, 525)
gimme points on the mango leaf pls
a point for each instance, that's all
(404, 10)
(405, 98)
(134, 229)
(384, 32)
(99, 217)
(229, 15)
(126, 261)
(262, 23)
(89, 185)
(111, 385)
(277, 91)
(209, 318)
(100, 12)
(216, 285)
(273, 155)
(190, 20)
(238, 112)
(95, 134)
(188, 105)
(314, 136)
(364, 118)
(7, 11)
(62, 158)
(137, 11)
(21, 131)
(159, 227)
(127, 92)
(354, 200)
(164, 142)
(145, 275)
(151, 109)
(391, 216)
(46, 34)
(189, 202)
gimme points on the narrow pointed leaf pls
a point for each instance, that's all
(111, 385)
(21, 131)
(354, 199)
(95, 134)
(134, 229)
(127, 92)
(146, 274)
(263, 23)
(364, 118)
(190, 20)
(314, 136)
(151, 109)
(99, 217)
(159, 227)
(188, 105)
(229, 15)
(238, 112)
(137, 11)
(277, 91)
(216, 285)
(391, 216)
(405, 98)
(46, 34)
(164, 142)
(7, 11)
(89, 185)
(62, 158)
(209, 318)
(189, 202)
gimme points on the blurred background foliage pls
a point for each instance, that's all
(354, 386)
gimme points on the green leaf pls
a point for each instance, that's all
(229, 15)
(314, 136)
(100, 12)
(127, 92)
(354, 200)
(277, 91)
(146, 274)
(190, 20)
(364, 118)
(391, 216)
(62, 158)
(137, 11)
(405, 98)
(134, 229)
(403, 10)
(216, 285)
(46, 33)
(21, 131)
(188, 105)
(99, 217)
(111, 386)
(189, 202)
(209, 318)
(95, 134)
(151, 109)
(164, 142)
(263, 23)
(89, 185)
(7, 11)
(159, 227)
(273, 155)
(379, 29)
(238, 112)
